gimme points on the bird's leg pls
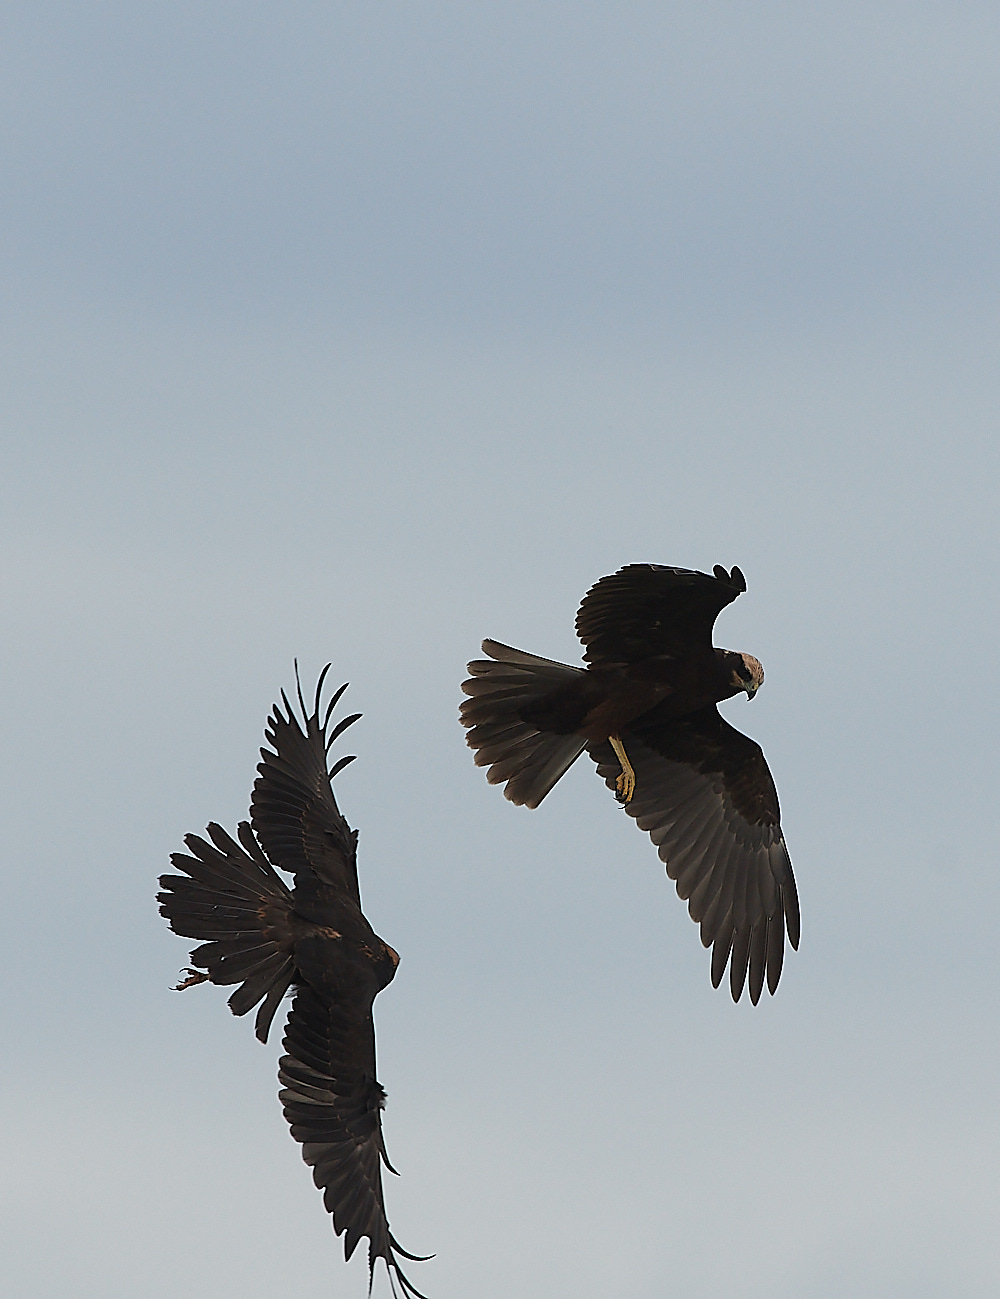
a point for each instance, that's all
(625, 784)
(193, 977)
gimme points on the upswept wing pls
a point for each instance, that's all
(706, 797)
(333, 1104)
(293, 811)
(649, 610)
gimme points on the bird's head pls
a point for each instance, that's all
(748, 674)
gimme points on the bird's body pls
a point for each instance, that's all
(313, 938)
(644, 707)
(604, 700)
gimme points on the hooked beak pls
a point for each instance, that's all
(751, 690)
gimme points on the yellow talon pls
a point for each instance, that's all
(625, 783)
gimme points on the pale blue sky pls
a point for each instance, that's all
(361, 332)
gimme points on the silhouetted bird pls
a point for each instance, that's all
(314, 939)
(645, 710)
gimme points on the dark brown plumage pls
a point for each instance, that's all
(313, 938)
(645, 710)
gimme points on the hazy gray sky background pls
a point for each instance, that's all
(360, 332)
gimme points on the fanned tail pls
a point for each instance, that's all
(231, 896)
(530, 761)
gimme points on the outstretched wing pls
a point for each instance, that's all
(333, 1103)
(293, 811)
(649, 611)
(705, 795)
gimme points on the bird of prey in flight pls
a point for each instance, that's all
(644, 708)
(313, 938)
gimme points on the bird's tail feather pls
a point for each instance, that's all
(500, 688)
(231, 896)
